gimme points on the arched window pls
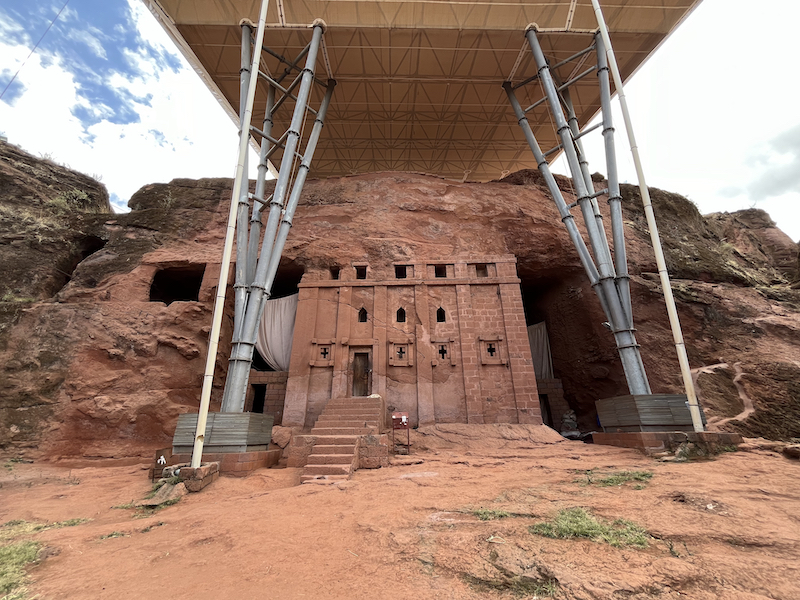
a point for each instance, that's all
(362, 315)
(401, 315)
(441, 316)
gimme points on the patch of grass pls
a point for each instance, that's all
(13, 560)
(578, 523)
(131, 504)
(488, 514)
(521, 587)
(19, 527)
(148, 511)
(113, 534)
(70, 200)
(616, 478)
(149, 528)
(175, 480)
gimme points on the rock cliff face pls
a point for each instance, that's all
(101, 345)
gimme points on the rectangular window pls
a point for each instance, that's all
(482, 270)
(400, 271)
(440, 270)
(361, 272)
(334, 272)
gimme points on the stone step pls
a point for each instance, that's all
(359, 418)
(330, 469)
(334, 449)
(351, 410)
(344, 431)
(329, 459)
(336, 439)
(353, 403)
(326, 422)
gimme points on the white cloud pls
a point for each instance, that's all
(181, 132)
(90, 41)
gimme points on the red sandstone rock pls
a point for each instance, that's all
(101, 371)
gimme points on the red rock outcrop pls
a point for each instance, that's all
(97, 369)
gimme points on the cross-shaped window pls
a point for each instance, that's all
(401, 352)
(491, 350)
(324, 352)
(443, 351)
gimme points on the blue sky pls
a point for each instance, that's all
(107, 93)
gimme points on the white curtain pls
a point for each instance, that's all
(274, 342)
(540, 350)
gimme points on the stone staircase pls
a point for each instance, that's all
(335, 437)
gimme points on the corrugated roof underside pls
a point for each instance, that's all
(419, 82)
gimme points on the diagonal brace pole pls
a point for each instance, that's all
(219, 301)
(242, 350)
(605, 288)
(666, 286)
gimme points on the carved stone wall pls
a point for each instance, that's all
(445, 341)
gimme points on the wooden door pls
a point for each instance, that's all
(361, 374)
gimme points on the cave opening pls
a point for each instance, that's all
(287, 279)
(82, 249)
(177, 284)
(544, 317)
(584, 359)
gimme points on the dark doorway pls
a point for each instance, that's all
(259, 364)
(361, 373)
(544, 406)
(177, 284)
(259, 396)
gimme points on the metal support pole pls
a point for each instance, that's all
(240, 283)
(672, 311)
(572, 119)
(219, 302)
(614, 195)
(261, 181)
(626, 342)
(566, 217)
(565, 134)
(242, 352)
(297, 189)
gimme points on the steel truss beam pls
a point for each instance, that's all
(608, 274)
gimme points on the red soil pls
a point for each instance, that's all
(725, 528)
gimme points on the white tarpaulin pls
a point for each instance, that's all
(540, 351)
(274, 342)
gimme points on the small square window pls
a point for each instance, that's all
(401, 353)
(335, 272)
(361, 272)
(400, 272)
(440, 270)
(482, 270)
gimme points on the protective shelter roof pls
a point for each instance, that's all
(419, 81)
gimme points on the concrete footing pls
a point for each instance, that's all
(236, 464)
(651, 442)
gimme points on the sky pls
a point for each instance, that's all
(715, 110)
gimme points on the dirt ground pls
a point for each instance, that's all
(724, 528)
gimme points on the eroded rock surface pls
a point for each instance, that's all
(99, 365)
